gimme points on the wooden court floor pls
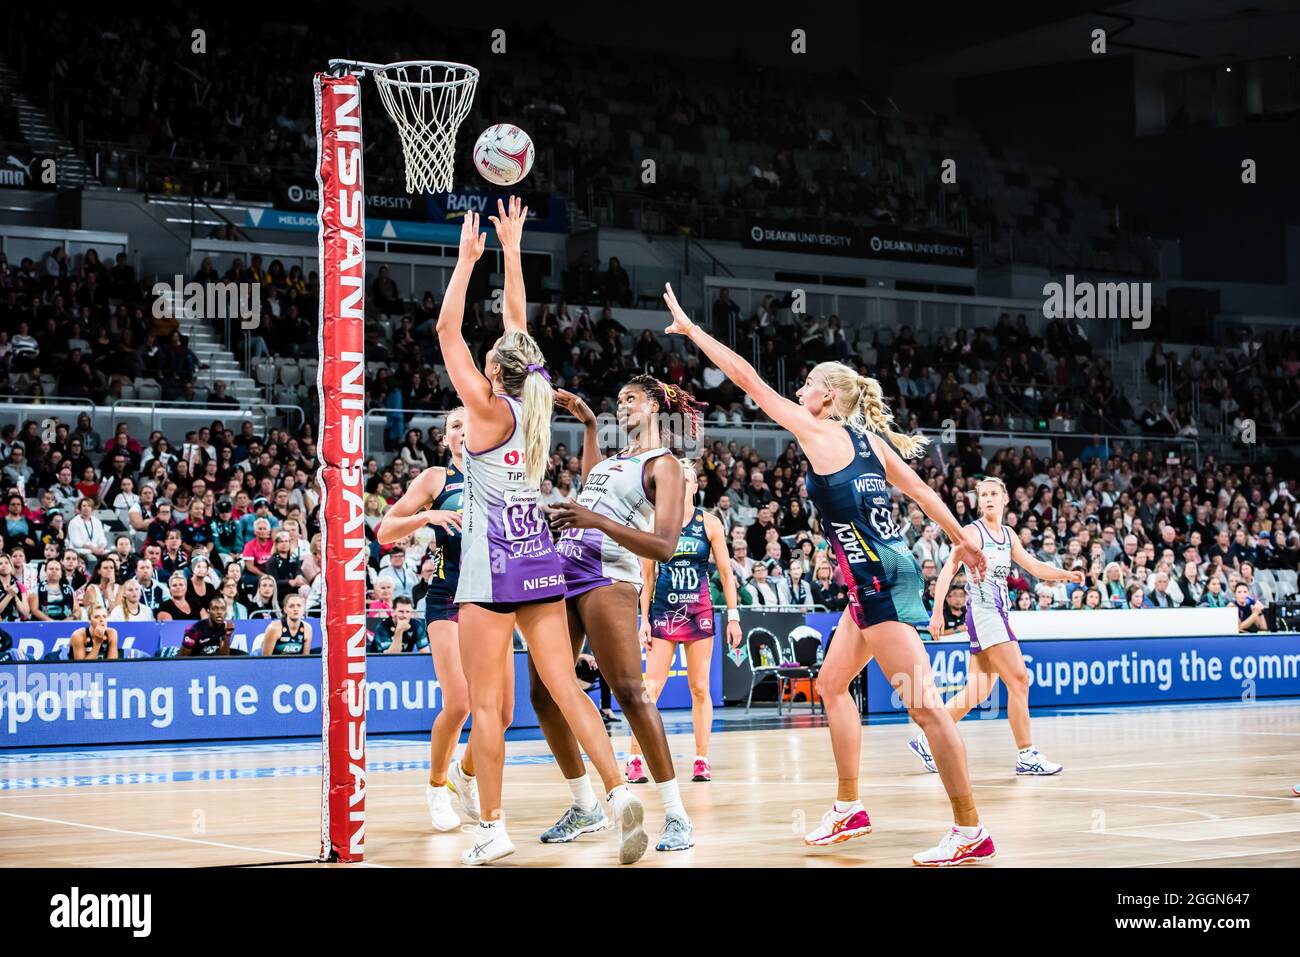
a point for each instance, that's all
(1202, 785)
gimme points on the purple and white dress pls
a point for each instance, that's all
(506, 550)
(987, 603)
(616, 489)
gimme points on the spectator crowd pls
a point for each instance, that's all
(233, 120)
(223, 526)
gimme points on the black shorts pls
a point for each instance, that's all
(510, 607)
(440, 606)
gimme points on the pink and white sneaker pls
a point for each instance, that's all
(635, 771)
(701, 770)
(839, 826)
(956, 848)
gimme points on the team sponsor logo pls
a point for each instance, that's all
(341, 384)
(527, 549)
(512, 457)
(33, 172)
(848, 538)
(569, 549)
(688, 545)
(684, 580)
(545, 581)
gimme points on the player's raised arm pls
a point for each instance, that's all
(574, 405)
(509, 224)
(791, 415)
(472, 386)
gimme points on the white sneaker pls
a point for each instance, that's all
(839, 826)
(441, 815)
(920, 746)
(1033, 762)
(466, 790)
(956, 848)
(490, 844)
(630, 815)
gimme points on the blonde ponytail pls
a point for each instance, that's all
(538, 402)
(879, 419)
(524, 377)
(860, 404)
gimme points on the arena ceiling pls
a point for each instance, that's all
(1195, 32)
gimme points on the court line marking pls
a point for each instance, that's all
(118, 793)
(168, 837)
(1187, 810)
(880, 723)
(1231, 828)
(1216, 759)
(42, 794)
(1219, 855)
(58, 782)
(1145, 791)
(111, 753)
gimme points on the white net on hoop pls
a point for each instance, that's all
(427, 100)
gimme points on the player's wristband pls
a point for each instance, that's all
(732, 615)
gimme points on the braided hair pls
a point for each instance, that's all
(860, 404)
(676, 400)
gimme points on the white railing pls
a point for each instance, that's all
(413, 272)
(35, 242)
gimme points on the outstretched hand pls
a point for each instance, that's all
(970, 554)
(681, 324)
(510, 223)
(566, 515)
(445, 519)
(574, 405)
(472, 241)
